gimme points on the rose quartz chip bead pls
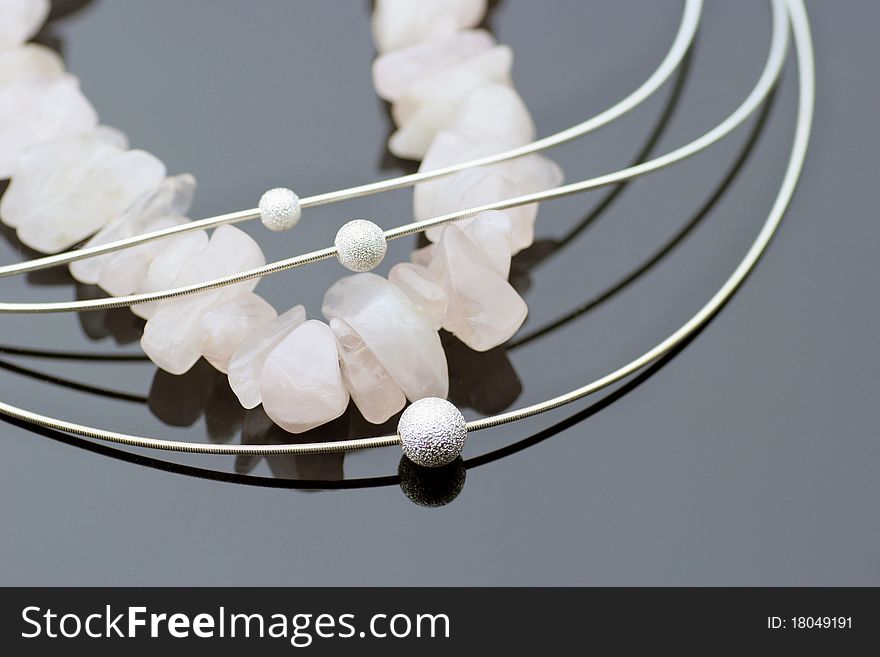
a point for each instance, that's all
(394, 329)
(247, 361)
(171, 336)
(401, 23)
(227, 324)
(422, 288)
(301, 384)
(64, 190)
(397, 71)
(372, 389)
(164, 208)
(166, 265)
(431, 105)
(482, 185)
(22, 19)
(484, 310)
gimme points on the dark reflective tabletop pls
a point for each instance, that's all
(750, 456)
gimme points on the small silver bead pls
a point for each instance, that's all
(360, 245)
(279, 209)
(432, 432)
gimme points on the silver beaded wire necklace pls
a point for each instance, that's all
(432, 431)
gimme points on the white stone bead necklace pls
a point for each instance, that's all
(444, 122)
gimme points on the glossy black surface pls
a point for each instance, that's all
(748, 457)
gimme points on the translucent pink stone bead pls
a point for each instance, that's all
(372, 389)
(492, 231)
(395, 72)
(166, 265)
(227, 324)
(125, 271)
(401, 23)
(171, 336)
(432, 104)
(422, 289)
(39, 101)
(395, 330)
(482, 185)
(247, 361)
(165, 207)
(494, 112)
(484, 310)
(22, 19)
(301, 384)
(64, 190)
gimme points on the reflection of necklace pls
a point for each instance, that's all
(432, 431)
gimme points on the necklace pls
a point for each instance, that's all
(435, 419)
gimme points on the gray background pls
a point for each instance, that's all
(750, 457)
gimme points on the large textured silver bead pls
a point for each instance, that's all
(279, 209)
(432, 432)
(360, 245)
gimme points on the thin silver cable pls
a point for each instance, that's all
(687, 30)
(762, 88)
(783, 10)
(806, 98)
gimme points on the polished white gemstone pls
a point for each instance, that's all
(166, 207)
(397, 71)
(171, 336)
(34, 111)
(484, 310)
(395, 330)
(482, 185)
(401, 23)
(280, 209)
(226, 325)
(372, 389)
(39, 101)
(113, 136)
(166, 265)
(479, 186)
(49, 166)
(492, 231)
(246, 363)
(423, 256)
(453, 86)
(22, 19)
(432, 104)
(432, 432)
(125, 271)
(360, 245)
(31, 61)
(422, 288)
(494, 112)
(66, 189)
(301, 384)
(533, 172)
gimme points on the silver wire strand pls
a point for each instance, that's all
(783, 11)
(762, 88)
(687, 30)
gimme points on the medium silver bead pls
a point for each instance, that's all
(360, 245)
(432, 432)
(279, 209)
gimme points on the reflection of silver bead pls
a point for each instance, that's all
(431, 487)
(279, 209)
(432, 432)
(360, 245)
